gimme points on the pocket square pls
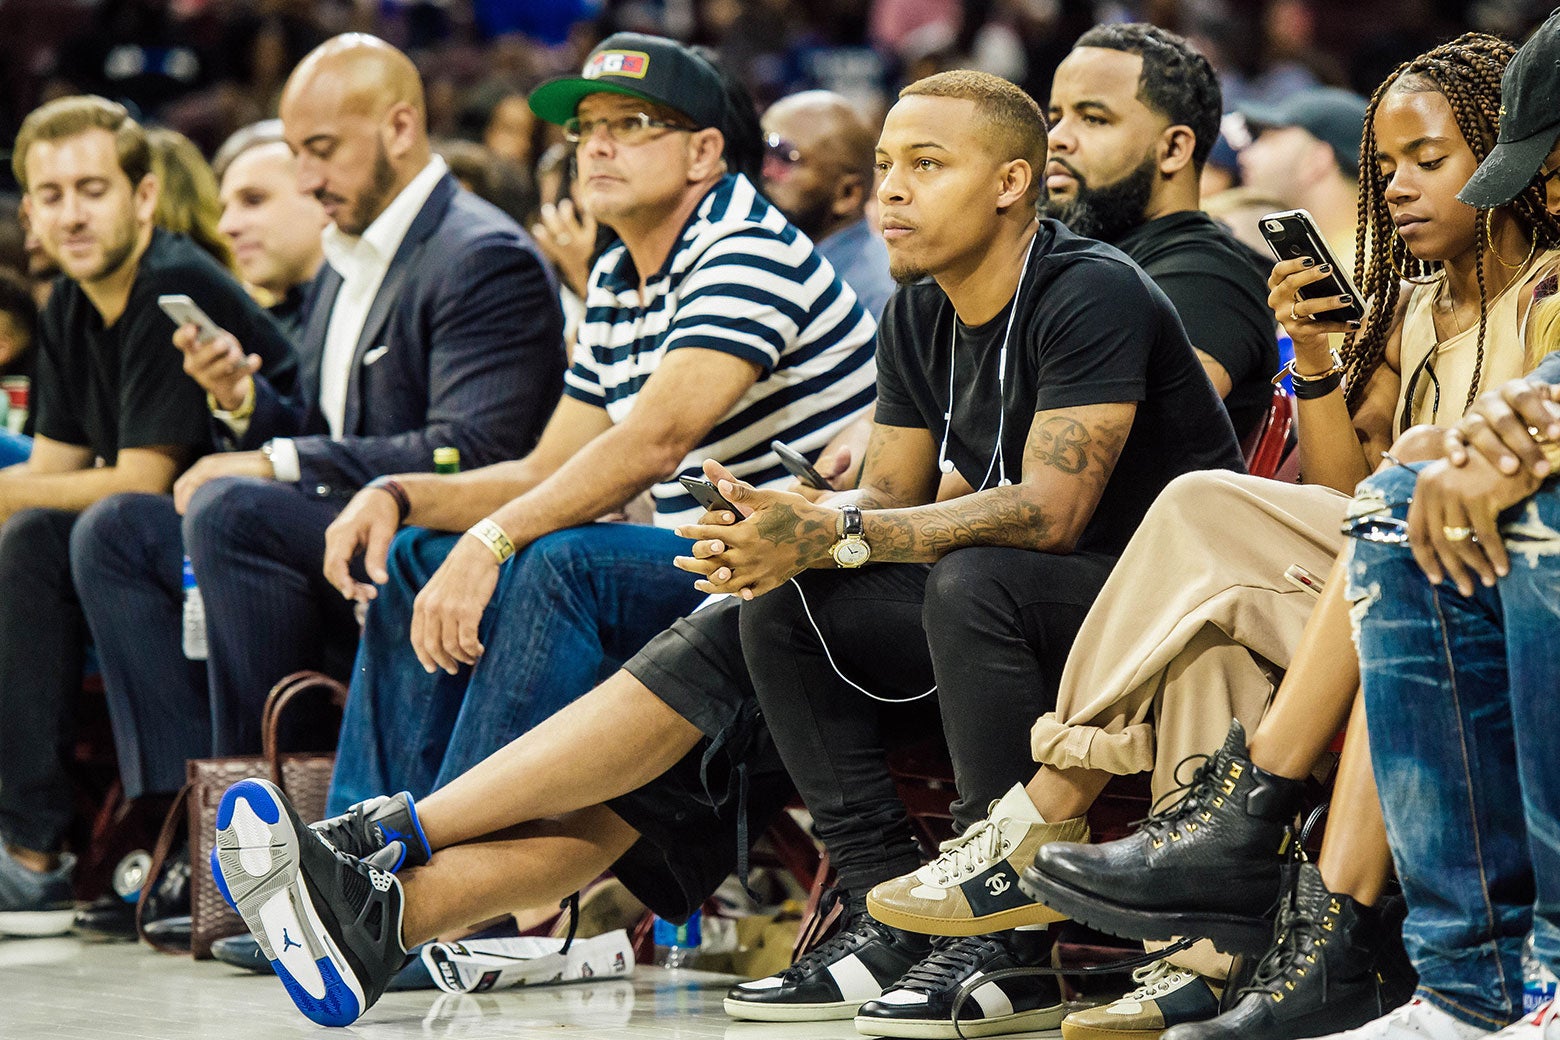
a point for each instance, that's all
(374, 355)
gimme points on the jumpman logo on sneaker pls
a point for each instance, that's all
(288, 942)
(389, 834)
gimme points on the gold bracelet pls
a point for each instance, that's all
(491, 535)
(243, 411)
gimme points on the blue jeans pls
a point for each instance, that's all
(569, 607)
(1461, 697)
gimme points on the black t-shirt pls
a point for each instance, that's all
(124, 386)
(1218, 285)
(1091, 328)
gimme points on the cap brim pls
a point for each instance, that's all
(1507, 170)
(1263, 117)
(556, 100)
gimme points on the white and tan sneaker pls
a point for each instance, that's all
(971, 888)
(1165, 996)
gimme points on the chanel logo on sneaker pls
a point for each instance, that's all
(998, 884)
(379, 879)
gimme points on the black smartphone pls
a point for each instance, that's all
(1293, 233)
(708, 495)
(796, 464)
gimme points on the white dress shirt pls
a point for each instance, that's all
(362, 261)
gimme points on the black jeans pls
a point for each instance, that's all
(990, 626)
(42, 644)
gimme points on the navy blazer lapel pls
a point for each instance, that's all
(389, 293)
(311, 351)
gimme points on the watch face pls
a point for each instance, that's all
(851, 553)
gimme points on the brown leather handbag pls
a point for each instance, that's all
(304, 778)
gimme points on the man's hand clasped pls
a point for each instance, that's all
(779, 535)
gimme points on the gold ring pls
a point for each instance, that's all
(1457, 534)
(1292, 315)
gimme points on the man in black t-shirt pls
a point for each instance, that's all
(115, 413)
(1052, 375)
(1134, 113)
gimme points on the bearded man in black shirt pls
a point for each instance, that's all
(115, 413)
(1134, 113)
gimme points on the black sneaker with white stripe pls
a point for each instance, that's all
(921, 1004)
(864, 958)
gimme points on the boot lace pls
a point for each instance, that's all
(1293, 953)
(1192, 798)
(969, 853)
(950, 963)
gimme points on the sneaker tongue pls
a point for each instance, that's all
(1016, 805)
(1235, 741)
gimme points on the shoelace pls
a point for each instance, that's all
(340, 830)
(1155, 980)
(950, 962)
(969, 852)
(850, 935)
(1181, 801)
(1296, 935)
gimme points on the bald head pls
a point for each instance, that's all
(818, 166)
(353, 113)
(360, 74)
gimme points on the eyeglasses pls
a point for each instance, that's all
(778, 149)
(632, 129)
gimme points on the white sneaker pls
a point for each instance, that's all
(1413, 1020)
(1543, 1024)
(971, 888)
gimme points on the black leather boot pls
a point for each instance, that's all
(1210, 866)
(1322, 975)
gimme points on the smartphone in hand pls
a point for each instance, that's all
(185, 311)
(1293, 233)
(796, 464)
(708, 495)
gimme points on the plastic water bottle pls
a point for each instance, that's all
(677, 945)
(1538, 984)
(194, 616)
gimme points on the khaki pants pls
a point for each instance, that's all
(1189, 630)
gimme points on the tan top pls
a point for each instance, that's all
(1452, 359)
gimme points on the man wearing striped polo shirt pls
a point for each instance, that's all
(711, 328)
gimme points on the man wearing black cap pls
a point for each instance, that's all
(1305, 153)
(712, 328)
(1480, 526)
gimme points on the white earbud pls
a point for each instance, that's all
(946, 465)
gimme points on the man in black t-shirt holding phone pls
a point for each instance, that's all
(1052, 375)
(115, 413)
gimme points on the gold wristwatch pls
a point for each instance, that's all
(852, 549)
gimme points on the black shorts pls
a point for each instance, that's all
(698, 817)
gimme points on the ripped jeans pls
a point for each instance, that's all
(1461, 694)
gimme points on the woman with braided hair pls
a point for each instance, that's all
(1199, 618)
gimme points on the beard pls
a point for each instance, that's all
(811, 217)
(904, 273)
(1107, 213)
(376, 196)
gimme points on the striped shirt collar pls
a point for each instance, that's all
(623, 276)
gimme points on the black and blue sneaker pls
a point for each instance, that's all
(374, 824)
(863, 959)
(922, 1003)
(329, 922)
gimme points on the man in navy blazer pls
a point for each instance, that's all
(435, 323)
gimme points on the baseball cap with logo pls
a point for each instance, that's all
(1529, 121)
(649, 67)
(1333, 116)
